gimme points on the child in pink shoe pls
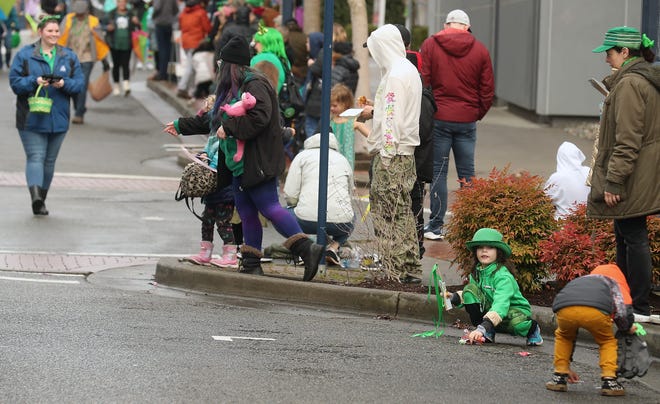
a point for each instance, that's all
(218, 206)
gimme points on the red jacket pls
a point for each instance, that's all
(195, 26)
(459, 70)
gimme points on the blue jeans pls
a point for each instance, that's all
(461, 138)
(164, 43)
(80, 99)
(311, 125)
(340, 232)
(41, 151)
(633, 257)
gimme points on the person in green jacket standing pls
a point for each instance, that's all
(492, 296)
(625, 179)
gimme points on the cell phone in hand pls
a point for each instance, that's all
(51, 78)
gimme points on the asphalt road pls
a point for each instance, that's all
(113, 336)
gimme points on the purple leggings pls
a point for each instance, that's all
(262, 199)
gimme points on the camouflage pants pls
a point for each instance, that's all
(517, 321)
(394, 223)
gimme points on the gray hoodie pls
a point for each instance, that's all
(165, 12)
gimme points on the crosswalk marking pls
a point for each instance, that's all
(231, 339)
(9, 278)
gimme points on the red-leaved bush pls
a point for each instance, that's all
(581, 243)
(570, 253)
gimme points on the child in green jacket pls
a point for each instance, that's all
(492, 296)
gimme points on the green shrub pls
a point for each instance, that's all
(419, 34)
(514, 204)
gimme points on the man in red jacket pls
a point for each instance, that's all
(459, 70)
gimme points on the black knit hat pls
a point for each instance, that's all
(236, 51)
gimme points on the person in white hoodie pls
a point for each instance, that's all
(301, 193)
(568, 187)
(393, 138)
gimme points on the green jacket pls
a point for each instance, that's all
(628, 144)
(501, 292)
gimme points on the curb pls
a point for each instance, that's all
(404, 305)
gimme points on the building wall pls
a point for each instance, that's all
(541, 49)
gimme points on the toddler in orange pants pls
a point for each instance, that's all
(592, 302)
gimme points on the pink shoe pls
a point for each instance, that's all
(228, 259)
(204, 256)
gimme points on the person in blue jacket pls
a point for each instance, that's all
(57, 70)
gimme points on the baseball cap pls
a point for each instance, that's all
(458, 16)
(624, 37)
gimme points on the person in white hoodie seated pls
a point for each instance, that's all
(567, 187)
(301, 193)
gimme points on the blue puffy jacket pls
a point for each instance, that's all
(28, 64)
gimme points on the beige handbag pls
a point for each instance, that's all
(101, 87)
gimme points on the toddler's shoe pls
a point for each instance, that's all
(558, 382)
(535, 339)
(611, 387)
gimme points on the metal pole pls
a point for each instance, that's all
(381, 13)
(328, 19)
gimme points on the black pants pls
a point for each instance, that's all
(633, 256)
(417, 197)
(120, 60)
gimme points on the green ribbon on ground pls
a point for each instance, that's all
(440, 300)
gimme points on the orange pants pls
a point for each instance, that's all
(599, 324)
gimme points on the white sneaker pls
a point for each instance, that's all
(640, 318)
(430, 235)
(115, 89)
(655, 318)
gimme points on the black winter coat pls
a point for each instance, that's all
(263, 158)
(345, 72)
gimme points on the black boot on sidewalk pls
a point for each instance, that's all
(305, 248)
(251, 261)
(43, 193)
(37, 200)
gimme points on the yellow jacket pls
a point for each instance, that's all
(99, 48)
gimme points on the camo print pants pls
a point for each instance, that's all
(218, 215)
(394, 222)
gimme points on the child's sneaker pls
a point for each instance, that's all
(558, 382)
(535, 339)
(611, 387)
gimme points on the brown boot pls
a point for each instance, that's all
(250, 261)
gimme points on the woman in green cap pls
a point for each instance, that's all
(492, 296)
(625, 179)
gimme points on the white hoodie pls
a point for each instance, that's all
(398, 99)
(568, 186)
(301, 188)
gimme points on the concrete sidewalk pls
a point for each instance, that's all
(504, 140)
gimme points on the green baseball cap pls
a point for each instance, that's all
(624, 37)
